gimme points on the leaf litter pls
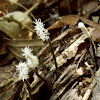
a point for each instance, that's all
(69, 46)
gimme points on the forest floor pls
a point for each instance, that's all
(69, 60)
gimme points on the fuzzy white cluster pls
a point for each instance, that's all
(40, 30)
(27, 52)
(23, 70)
(84, 29)
(31, 62)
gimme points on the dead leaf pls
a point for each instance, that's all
(72, 20)
(95, 34)
(15, 46)
(13, 29)
(90, 22)
(90, 6)
(65, 20)
(21, 17)
(69, 20)
(25, 42)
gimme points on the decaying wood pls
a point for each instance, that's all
(10, 84)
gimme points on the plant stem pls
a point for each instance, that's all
(52, 51)
(93, 52)
(29, 89)
(49, 85)
(32, 8)
(54, 58)
(20, 23)
(18, 4)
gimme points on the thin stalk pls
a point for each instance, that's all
(54, 58)
(32, 8)
(49, 85)
(18, 4)
(93, 53)
(23, 25)
(29, 90)
(86, 32)
(52, 51)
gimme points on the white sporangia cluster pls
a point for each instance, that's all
(26, 52)
(31, 62)
(23, 70)
(40, 30)
(84, 29)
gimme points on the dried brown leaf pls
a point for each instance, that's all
(90, 6)
(3, 4)
(69, 20)
(90, 22)
(65, 20)
(10, 24)
(25, 42)
(15, 46)
(95, 34)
